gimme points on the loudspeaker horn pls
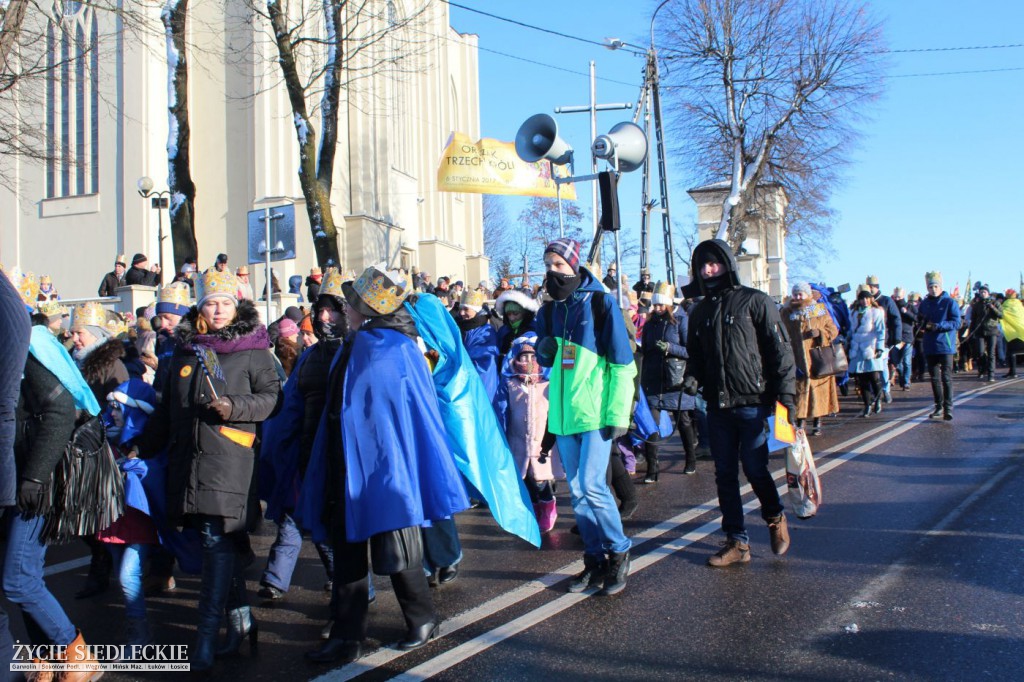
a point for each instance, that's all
(538, 139)
(625, 146)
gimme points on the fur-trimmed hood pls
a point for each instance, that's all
(247, 326)
(524, 301)
(97, 364)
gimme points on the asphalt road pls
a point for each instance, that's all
(910, 571)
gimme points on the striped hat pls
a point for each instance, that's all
(569, 249)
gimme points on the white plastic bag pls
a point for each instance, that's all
(802, 478)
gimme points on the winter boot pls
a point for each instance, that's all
(651, 455)
(218, 569)
(100, 566)
(547, 514)
(137, 633)
(733, 552)
(779, 532)
(615, 575)
(936, 412)
(592, 575)
(241, 623)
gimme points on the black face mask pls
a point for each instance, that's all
(560, 286)
(712, 284)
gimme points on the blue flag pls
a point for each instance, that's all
(477, 442)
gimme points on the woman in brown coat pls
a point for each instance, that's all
(810, 325)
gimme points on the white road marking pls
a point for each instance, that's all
(444, 661)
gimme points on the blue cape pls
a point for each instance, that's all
(482, 348)
(477, 442)
(45, 347)
(399, 470)
(280, 450)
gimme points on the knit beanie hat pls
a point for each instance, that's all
(569, 249)
(802, 288)
(287, 327)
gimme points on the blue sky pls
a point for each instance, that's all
(930, 180)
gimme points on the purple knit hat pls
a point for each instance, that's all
(569, 249)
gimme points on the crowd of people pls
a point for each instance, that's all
(370, 417)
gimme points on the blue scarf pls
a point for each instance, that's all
(45, 347)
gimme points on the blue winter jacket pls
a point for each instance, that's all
(943, 312)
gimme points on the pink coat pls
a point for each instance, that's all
(525, 424)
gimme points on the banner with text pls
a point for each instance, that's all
(490, 166)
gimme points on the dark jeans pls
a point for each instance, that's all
(441, 546)
(284, 554)
(352, 590)
(870, 385)
(23, 582)
(986, 348)
(738, 437)
(940, 367)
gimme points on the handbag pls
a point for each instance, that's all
(395, 551)
(828, 361)
(86, 488)
(675, 369)
(802, 480)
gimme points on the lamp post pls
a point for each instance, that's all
(651, 91)
(158, 200)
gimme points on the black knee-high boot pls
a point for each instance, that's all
(651, 455)
(241, 622)
(218, 574)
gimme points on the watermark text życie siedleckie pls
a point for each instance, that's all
(107, 657)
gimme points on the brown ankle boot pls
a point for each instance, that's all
(78, 653)
(779, 532)
(734, 552)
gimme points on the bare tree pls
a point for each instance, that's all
(179, 170)
(322, 47)
(29, 61)
(498, 244)
(771, 91)
(538, 225)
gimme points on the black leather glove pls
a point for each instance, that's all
(221, 407)
(613, 432)
(690, 386)
(31, 494)
(547, 349)
(787, 402)
(879, 353)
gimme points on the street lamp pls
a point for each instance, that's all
(158, 200)
(652, 92)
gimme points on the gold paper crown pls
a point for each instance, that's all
(114, 324)
(473, 298)
(90, 314)
(176, 293)
(51, 308)
(28, 287)
(45, 279)
(664, 289)
(332, 284)
(382, 291)
(933, 276)
(214, 283)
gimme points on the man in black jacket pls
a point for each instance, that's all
(112, 280)
(741, 356)
(893, 329)
(984, 328)
(903, 357)
(139, 274)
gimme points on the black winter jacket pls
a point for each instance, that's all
(312, 378)
(739, 349)
(985, 316)
(46, 419)
(109, 285)
(893, 322)
(208, 470)
(908, 316)
(655, 370)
